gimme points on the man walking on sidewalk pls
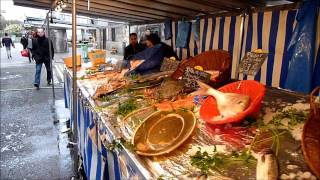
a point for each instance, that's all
(7, 42)
(40, 51)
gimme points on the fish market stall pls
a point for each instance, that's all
(163, 126)
(118, 125)
(172, 124)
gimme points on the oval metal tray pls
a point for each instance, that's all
(140, 136)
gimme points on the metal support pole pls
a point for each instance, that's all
(129, 29)
(74, 63)
(241, 30)
(50, 54)
(74, 85)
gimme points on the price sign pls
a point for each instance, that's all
(191, 76)
(252, 62)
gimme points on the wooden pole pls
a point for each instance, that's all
(50, 54)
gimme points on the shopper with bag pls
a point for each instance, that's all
(27, 46)
(41, 55)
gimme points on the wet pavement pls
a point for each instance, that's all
(32, 146)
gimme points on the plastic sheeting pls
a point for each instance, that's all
(184, 29)
(316, 71)
(167, 29)
(302, 49)
(196, 29)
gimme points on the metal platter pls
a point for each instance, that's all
(133, 120)
(163, 132)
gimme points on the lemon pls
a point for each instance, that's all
(258, 51)
(172, 58)
(200, 68)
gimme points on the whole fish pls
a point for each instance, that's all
(229, 104)
(267, 166)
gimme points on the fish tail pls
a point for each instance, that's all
(208, 90)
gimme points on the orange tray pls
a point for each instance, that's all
(254, 89)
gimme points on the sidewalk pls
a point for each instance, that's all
(31, 145)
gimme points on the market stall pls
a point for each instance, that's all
(106, 146)
(171, 124)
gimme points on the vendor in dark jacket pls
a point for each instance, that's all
(152, 56)
(40, 53)
(133, 48)
(153, 39)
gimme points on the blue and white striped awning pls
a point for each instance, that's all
(269, 30)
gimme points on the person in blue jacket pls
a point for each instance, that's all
(152, 57)
(7, 42)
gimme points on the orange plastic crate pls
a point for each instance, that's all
(254, 89)
(97, 57)
(68, 61)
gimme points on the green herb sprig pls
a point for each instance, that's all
(127, 107)
(118, 143)
(134, 76)
(104, 98)
(205, 162)
(113, 145)
(243, 156)
(127, 144)
(89, 71)
(293, 115)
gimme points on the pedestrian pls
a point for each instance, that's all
(7, 42)
(29, 46)
(26, 44)
(40, 51)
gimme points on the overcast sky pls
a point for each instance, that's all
(11, 12)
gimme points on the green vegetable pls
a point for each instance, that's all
(243, 156)
(105, 98)
(206, 162)
(275, 137)
(294, 116)
(127, 144)
(89, 71)
(113, 145)
(193, 109)
(134, 76)
(183, 109)
(99, 108)
(117, 144)
(127, 107)
(164, 177)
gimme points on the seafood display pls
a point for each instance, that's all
(111, 86)
(175, 135)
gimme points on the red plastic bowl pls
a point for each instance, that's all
(255, 90)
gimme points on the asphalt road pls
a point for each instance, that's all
(32, 145)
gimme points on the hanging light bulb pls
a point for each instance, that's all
(63, 4)
(60, 5)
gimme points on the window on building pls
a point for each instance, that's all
(113, 34)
